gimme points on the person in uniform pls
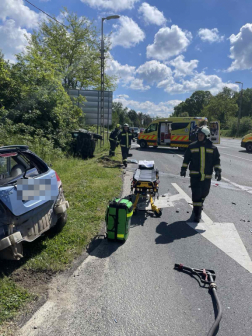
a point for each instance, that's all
(113, 139)
(202, 157)
(125, 138)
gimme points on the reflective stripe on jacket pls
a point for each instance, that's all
(125, 139)
(202, 158)
(114, 135)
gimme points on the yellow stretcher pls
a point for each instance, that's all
(145, 184)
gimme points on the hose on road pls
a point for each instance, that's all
(207, 277)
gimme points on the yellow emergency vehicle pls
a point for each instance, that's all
(176, 132)
(247, 142)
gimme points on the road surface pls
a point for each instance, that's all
(132, 289)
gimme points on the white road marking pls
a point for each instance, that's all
(180, 156)
(223, 147)
(238, 157)
(241, 187)
(222, 235)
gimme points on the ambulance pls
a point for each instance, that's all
(176, 132)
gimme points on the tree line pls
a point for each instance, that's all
(223, 107)
(122, 115)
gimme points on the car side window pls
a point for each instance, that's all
(151, 128)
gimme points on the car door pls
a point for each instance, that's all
(215, 131)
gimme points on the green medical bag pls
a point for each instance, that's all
(118, 218)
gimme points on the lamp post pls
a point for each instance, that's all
(103, 73)
(240, 107)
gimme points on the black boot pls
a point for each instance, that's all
(197, 214)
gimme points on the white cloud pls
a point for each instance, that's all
(125, 73)
(123, 96)
(200, 81)
(169, 42)
(241, 49)
(183, 68)
(116, 5)
(21, 14)
(137, 84)
(153, 72)
(12, 39)
(127, 33)
(163, 109)
(210, 35)
(152, 15)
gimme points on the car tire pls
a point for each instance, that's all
(143, 144)
(249, 147)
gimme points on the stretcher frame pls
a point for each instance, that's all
(147, 190)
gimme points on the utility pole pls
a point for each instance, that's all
(102, 112)
(240, 108)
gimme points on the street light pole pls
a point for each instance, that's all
(240, 108)
(103, 74)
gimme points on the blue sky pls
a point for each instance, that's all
(162, 51)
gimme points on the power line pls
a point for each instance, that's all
(46, 14)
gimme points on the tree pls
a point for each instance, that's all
(221, 107)
(119, 114)
(193, 105)
(73, 51)
(39, 102)
(246, 102)
(134, 118)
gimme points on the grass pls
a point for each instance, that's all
(12, 298)
(88, 186)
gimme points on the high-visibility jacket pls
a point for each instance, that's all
(202, 158)
(114, 135)
(125, 139)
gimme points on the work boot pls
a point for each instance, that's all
(125, 163)
(197, 214)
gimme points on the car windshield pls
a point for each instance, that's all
(136, 128)
(13, 166)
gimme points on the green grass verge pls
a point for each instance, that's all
(12, 298)
(88, 186)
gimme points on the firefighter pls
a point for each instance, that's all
(125, 138)
(202, 157)
(113, 139)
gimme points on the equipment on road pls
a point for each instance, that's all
(207, 277)
(118, 219)
(176, 132)
(145, 184)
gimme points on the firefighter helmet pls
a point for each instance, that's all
(126, 125)
(205, 130)
(118, 126)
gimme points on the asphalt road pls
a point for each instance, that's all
(132, 289)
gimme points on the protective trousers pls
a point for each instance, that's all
(200, 190)
(112, 147)
(125, 153)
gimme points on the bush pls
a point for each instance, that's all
(245, 126)
(38, 144)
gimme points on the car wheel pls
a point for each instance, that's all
(143, 144)
(249, 147)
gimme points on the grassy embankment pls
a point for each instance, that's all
(88, 186)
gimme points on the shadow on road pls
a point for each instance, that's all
(139, 218)
(106, 249)
(170, 232)
(244, 151)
